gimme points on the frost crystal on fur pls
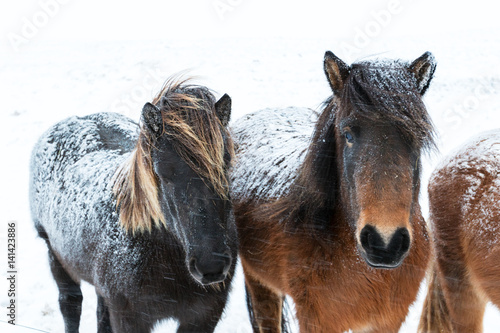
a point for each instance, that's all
(477, 162)
(72, 166)
(275, 143)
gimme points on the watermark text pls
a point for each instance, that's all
(11, 272)
(32, 24)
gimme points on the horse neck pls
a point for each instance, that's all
(314, 196)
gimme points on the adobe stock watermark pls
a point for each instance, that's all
(222, 7)
(139, 94)
(364, 35)
(455, 115)
(32, 24)
(12, 250)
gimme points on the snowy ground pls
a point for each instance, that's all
(47, 82)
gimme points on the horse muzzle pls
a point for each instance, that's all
(382, 250)
(210, 268)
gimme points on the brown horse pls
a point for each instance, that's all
(333, 220)
(464, 193)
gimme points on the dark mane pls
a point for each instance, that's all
(195, 132)
(386, 91)
(383, 92)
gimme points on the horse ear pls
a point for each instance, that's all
(336, 71)
(423, 68)
(151, 117)
(223, 109)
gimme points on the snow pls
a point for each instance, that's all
(46, 82)
(474, 161)
(274, 143)
(81, 183)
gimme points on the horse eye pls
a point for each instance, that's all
(349, 138)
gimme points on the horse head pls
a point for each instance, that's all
(180, 173)
(379, 129)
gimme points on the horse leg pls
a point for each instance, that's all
(264, 306)
(103, 320)
(70, 294)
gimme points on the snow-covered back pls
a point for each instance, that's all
(71, 189)
(477, 164)
(271, 144)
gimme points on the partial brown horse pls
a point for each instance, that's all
(333, 219)
(464, 194)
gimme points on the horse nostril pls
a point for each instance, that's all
(371, 239)
(193, 269)
(400, 241)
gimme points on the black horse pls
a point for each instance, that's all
(144, 218)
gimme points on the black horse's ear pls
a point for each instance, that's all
(151, 117)
(336, 71)
(423, 69)
(223, 109)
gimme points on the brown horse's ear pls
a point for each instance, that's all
(151, 116)
(423, 69)
(223, 109)
(336, 71)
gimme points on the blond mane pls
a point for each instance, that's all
(197, 135)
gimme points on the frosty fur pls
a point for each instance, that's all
(165, 263)
(464, 192)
